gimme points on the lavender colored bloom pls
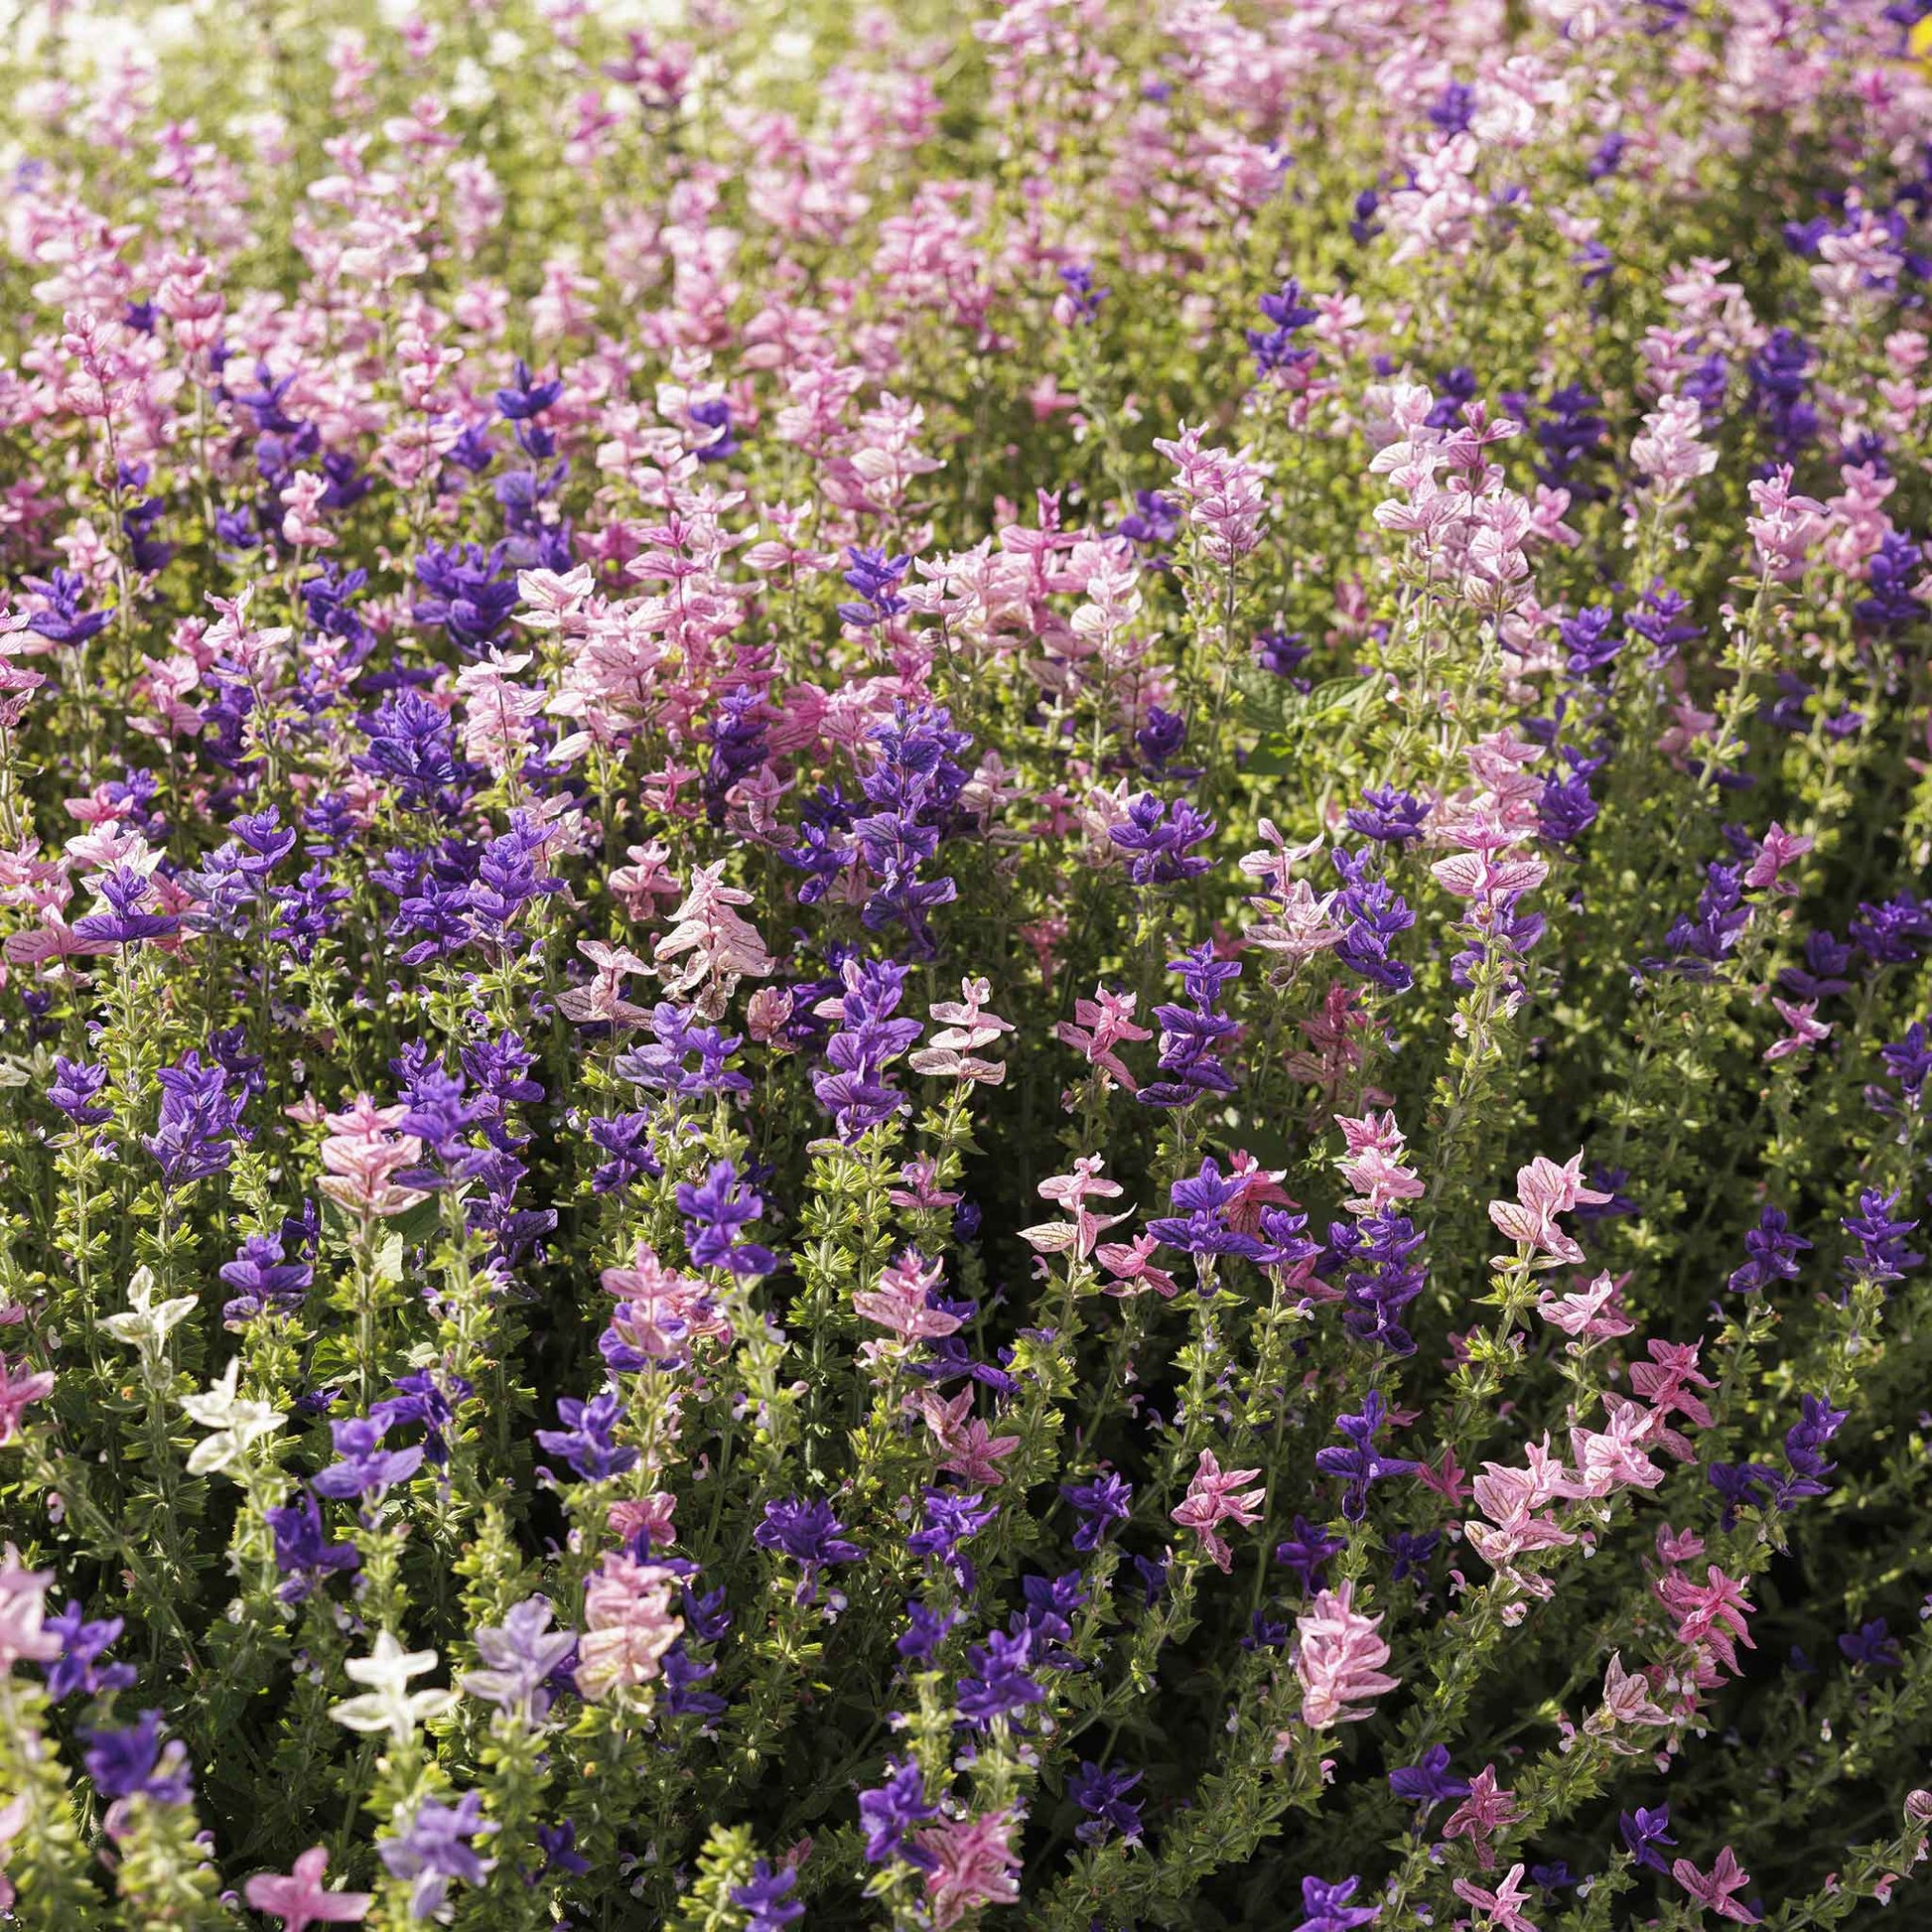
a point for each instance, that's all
(1371, 916)
(1780, 378)
(665, 1062)
(1193, 1037)
(1102, 1795)
(1893, 933)
(766, 1898)
(468, 597)
(1647, 1834)
(1358, 1459)
(558, 1844)
(1281, 651)
(435, 1847)
(429, 1399)
(810, 1535)
(1804, 1451)
(83, 1642)
(1274, 349)
(363, 1467)
(412, 748)
(855, 1092)
(303, 1552)
(1773, 1252)
(1326, 1906)
(1154, 520)
(738, 747)
(1591, 638)
(264, 1283)
(200, 1120)
(1309, 1553)
(1080, 300)
(1429, 1783)
(1202, 1227)
(1872, 1646)
(1909, 1061)
(1157, 838)
(1392, 817)
(1104, 1500)
(890, 1815)
(76, 1087)
(136, 1763)
(998, 1682)
(1159, 739)
(1882, 1255)
(519, 1656)
(712, 1214)
(950, 1519)
(587, 1440)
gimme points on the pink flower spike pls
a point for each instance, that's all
(1338, 1659)
(19, 1386)
(299, 1899)
(1500, 1907)
(1713, 1889)
(1779, 849)
(1214, 1495)
(974, 1865)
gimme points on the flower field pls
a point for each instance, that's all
(966, 969)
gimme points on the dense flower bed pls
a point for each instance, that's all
(965, 972)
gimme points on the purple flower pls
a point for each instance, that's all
(1773, 1250)
(1371, 917)
(998, 1682)
(810, 1535)
(1358, 1459)
(200, 1118)
(437, 1847)
(1872, 1646)
(363, 1467)
(1309, 1553)
(303, 1552)
(892, 1812)
(1380, 1276)
(1104, 1500)
(1326, 1906)
(1102, 1795)
(765, 1897)
(855, 1092)
(587, 1440)
(135, 1763)
(82, 1645)
(1389, 816)
(1429, 1783)
(76, 1087)
(424, 1398)
(1201, 1228)
(1647, 1833)
(263, 1282)
(1158, 836)
(127, 921)
(951, 1519)
(1193, 1037)
(1882, 1255)
(925, 1631)
(713, 1213)
(1081, 301)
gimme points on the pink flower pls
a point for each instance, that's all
(1501, 1906)
(628, 1625)
(1224, 492)
(1779, 849)
(973, 1865)
(1214, 1495)
(1131, 1263)
(20, 1385)
(1484, 1813)
(899, 1301)
(1338, 1659)
(1591, 1315)
(1805, 1030)
(1070, 1191)
(362, 1154)
(1713, 1889)
(967, 1027)
(1709, 1614)
(23, 1610)
(1626, 1697)
(1103, 1023)
(299, 1899)
(970, 1449)
(1374, 1164)
(716, 945)
(1543, 1191)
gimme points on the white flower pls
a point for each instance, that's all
(146, 1326)
(236, 1421)
(389, 1704)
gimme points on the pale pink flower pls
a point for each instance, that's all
(1099, 1026)
(1502, 1909)
(1131, 1263)
(968, 1447)
(897, 1303)
(1070, 1191)
(1592, 1314)
(1215, 1495)
(645, 880)
(1224, 492)
(974, 1865)
(299, 1897)
(1713, 1889)
(1779, 849)
(628, 1625)
(1543, 1191)
(1484, 1813)
(967, 1027)
(1711, 1615)
(602, 1001)
(1806, 1029)
(1786, 528)
(362, 1154)
(1626, 1697)
(23, 1612)
(19, 1386)
(722, 948)
(1374, 1164)
(1338, 1659)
